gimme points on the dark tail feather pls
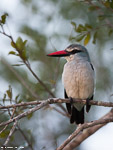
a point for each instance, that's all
(77, 116)
(68, 106)
(87, 104)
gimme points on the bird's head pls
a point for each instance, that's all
(71, 52)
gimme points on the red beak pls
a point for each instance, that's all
(62, 53)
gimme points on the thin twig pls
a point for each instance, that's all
(10, 118)
(10, 134)
(20, 79)
(40, 81)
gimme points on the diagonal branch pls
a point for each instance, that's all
(26, 62)
(10, 118)
(10, 134)
(84, 131)
(38, 79)
(24, 114)
(20, 79)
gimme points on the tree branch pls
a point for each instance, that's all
(10, 134)
(10, 118)
(20, 79)
(26, 62)
(84, 131)
(44, 103)
(24, 114)
(59, 101)
(40, 81)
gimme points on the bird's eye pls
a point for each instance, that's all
(75, 51)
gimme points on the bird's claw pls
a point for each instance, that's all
(71, 100)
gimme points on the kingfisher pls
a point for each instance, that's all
(78, 79)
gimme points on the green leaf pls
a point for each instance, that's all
(19, 43)
(88, 26)
(87, 39)
(80, 37)
(71, 38)
(16, 98)
(20, 100)
(73, 24)
(12, 53)
(94, 37)
(9, 92)
(21, 48)
(3, 18)
(13, 44)
(4, 98)
(24, 43)
(81, 28)
(4, 134)
(17, 65)
(24, 54)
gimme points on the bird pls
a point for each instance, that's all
(78, 78)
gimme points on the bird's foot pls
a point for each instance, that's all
(71, 100)
(87, 105)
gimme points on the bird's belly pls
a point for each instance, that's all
(80, 87)
(78, 81)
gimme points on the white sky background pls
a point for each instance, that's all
(102, 139)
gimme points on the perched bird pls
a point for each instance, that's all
(78, 80)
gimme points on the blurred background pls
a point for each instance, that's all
(50, 25)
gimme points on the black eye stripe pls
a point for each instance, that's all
(75, 51)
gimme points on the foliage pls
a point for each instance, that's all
(3, 19)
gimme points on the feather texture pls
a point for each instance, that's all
(78, 80)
